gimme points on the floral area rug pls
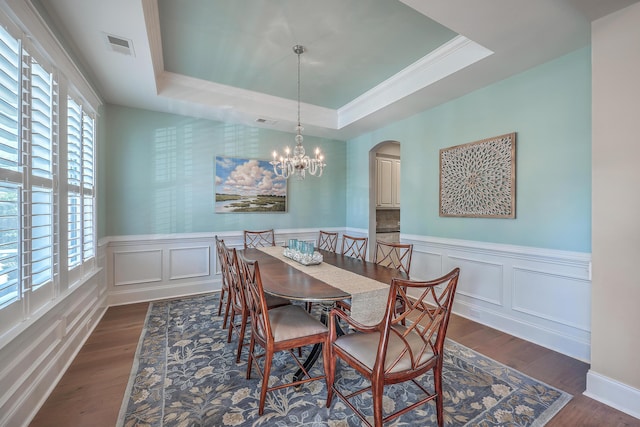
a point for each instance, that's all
(185, 374)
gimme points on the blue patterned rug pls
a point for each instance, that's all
(185, 374)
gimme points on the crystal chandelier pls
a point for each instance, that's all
(298, 163)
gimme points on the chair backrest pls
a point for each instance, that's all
(417, 333)
(327, 241)
(220, 255)
(232, 276)
(355, 247)
(255, 300)
(394, 255)
(256, 239)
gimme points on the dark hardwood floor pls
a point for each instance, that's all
(91, 391)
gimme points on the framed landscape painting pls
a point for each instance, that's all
(248, 185)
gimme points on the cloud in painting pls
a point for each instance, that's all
(252, 177)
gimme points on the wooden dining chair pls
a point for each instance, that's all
(278, 329)
(392, 352)
(257, 239)
(327, 241)
(237, 297)
(355, 247)
(394, 255)
(224, 288)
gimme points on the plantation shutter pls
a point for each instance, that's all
(11, 183)
(42, 163)
(74, 171)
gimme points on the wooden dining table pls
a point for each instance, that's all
(285, 280)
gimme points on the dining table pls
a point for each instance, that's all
(336, 278)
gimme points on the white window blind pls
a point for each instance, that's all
(39, 236)
(88, 185)
(74, 173)
(9, 243)
(32, 233)
(11, 183)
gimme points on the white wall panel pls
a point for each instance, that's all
(146, 268)
(537, 294)
(560, 299)
(142, 266)
(35, 358)
(540, 295)
(189, 262)
(480, 280)
(425, 265)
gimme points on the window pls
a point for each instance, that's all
(32, 164)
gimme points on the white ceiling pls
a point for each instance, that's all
(245, 71)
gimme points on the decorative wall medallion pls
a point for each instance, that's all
(479, 179)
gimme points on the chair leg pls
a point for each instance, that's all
(232, 318)
(252, 344)
(243, 327)
(227, 306)
(265, 380)
(329, 366)
(437, 384)
(330, 359)
(222, 292)
(377, 389)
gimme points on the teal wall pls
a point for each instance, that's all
(156, 170)
(549, 107)
(157, 175)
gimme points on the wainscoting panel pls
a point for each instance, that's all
(138, 266)
(565, 300)
(189, 262)
(146, 268)
(34, 361)
(540, 295)
(426, 264)
(480, 280)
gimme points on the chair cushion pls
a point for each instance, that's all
(292, 321)
(274, 301)
(364, 348)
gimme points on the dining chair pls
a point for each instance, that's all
(257, 239)
(394, 255)
(397, 256)
(237, 297)
(327, 241)
(355, 247)
(224, 288)
(278, 329)
(392, 352)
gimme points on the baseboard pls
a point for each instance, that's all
(613, 393)
(553, 340)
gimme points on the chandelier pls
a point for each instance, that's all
(298, 163)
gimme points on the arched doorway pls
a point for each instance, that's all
(384, 192)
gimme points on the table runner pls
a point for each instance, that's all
(368, 297)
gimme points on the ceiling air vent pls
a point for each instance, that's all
(119, 44)
(263, 121)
